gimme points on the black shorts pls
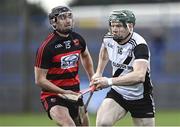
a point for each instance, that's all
(72, 106)
(142, 108)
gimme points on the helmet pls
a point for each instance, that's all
(58, 11)
(131, 16)
(124, 16)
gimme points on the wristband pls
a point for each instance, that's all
(109, 80)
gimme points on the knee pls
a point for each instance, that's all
(149, 122)
(61, 119)
(144, 122)
(64, 121)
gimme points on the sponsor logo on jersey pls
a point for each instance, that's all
(123, 66)
(58, 46)
(69, 61)
(53, 100)
(110, 45)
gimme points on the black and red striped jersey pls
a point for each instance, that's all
(61, 55)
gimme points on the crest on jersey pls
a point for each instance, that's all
(120, 49)
(76, 42)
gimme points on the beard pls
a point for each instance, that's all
(65, 31)
(120, 38)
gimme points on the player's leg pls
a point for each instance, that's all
(85, 119)
(82, 119)
(78, 113)
(58, 110)
(109, 113)
(144, 122)
(142, 111)
(61, 116)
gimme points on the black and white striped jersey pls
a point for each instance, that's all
(122, 57)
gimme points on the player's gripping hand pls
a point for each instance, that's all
(102, 82)
(96, 75)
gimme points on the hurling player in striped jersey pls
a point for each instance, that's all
(56, 70)
(131, 87)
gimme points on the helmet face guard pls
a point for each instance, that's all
(124, 17)
(60, 12)
(115, 17)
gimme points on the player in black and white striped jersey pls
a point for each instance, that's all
(131, 87)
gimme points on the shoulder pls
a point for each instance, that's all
(80, 39)
(137, 39)
(107, 37)
(77, 35)
(47, 41)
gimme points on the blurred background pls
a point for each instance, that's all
(24, 25)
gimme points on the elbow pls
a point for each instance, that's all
(141, 78)
(38, 82)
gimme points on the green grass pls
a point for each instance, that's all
(163, 118)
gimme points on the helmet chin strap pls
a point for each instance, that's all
(119, 39)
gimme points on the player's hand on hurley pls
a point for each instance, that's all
(101, 82)
(96, 75)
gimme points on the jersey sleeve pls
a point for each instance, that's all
(106, 39)
(43, 58)
(83, 43)
(141, 51)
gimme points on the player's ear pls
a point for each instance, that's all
(131, 25)
(54, 20)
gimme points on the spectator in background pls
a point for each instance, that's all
(131, 87)
(56, 69)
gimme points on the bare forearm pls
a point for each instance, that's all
(129, 79)
(88, 66)
(50, 87)
(101, 66)
(134, 77)
(103, 60)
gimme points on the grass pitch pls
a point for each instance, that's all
(163, 118)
